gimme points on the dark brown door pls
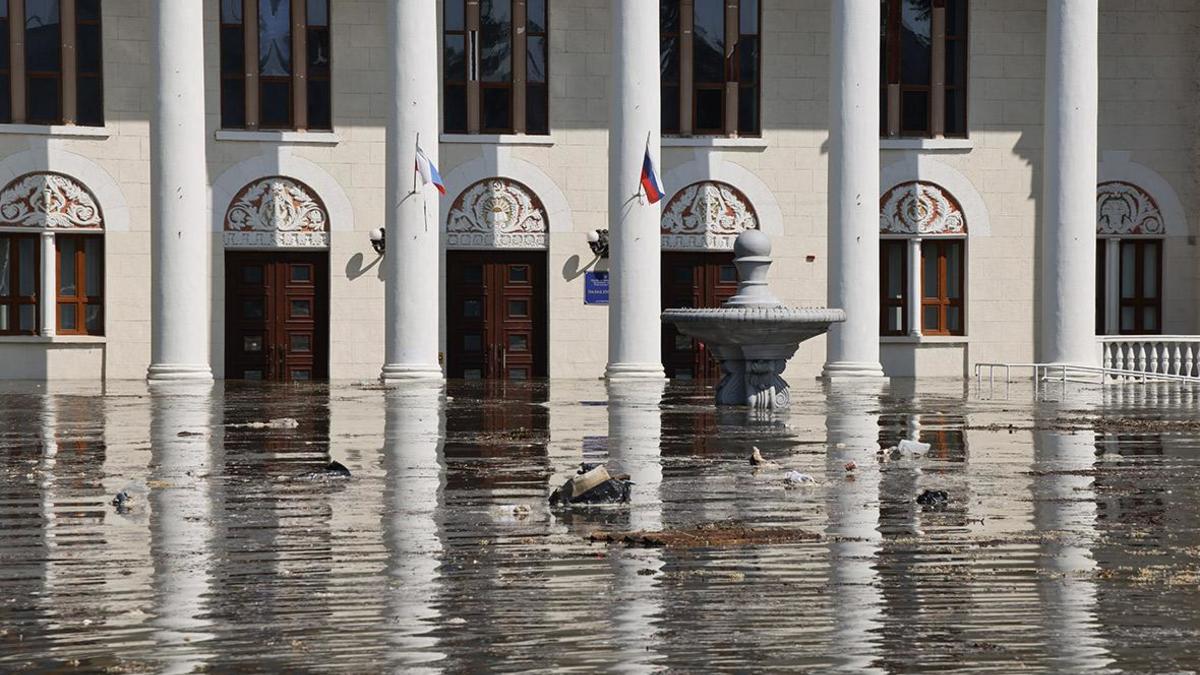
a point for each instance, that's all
(693, 280)
(496, 315)
(276, 316)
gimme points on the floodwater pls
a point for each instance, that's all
(1069, 542)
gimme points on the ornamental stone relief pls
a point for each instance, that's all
(706, 216)
(276, 212)
(497, 213)
(1126, 209)
(49, 200)
(920, 208)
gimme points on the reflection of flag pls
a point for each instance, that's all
(650, 182)
(429, 172)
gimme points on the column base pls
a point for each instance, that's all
(852, 370)
(408, 372)
(178, 372)
(626, 372)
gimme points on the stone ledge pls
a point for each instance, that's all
(932, 144)
(939, 340)
(59, 130)
(53, 339)
(497, 139)
(751, 143)
(284, 137)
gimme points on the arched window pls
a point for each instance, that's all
(1129, 252)
(922, 257)
(51, 257)
(923, 69)
(710, 59)
(272, 76)
(496, 67)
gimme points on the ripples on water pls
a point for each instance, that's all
(1063, 548)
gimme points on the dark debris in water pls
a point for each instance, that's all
(709, 535)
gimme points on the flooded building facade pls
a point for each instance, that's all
(193, 192)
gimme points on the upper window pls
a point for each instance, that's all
(710, 60)
(923, 68)
(922, 262)
(496, 67)
(1129, 261)
(275, 76)
(58, 77)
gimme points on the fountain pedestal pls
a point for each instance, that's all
(753, 334)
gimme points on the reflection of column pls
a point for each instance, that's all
(1069, 217)
(1065, 515)
(853, 346)
(181, 530)
(180, 243)
(634, 444)
(853, 529)
(413, 251)
(413, 437)
(634, 326)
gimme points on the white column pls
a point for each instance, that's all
(635, 304)
(914, 287)
(853, 346)
(412, 262)
(1069, 203)
(180, 238)
(49, 292)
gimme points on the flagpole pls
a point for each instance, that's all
(416, 158)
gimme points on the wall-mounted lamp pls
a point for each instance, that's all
(598, 242)
(378, 240)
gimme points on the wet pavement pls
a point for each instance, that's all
(1069, 541)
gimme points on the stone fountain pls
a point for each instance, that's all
(753, 335)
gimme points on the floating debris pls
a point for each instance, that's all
(797, 479)
(708, 535)
(758, 461)
(123, 502)
(279, 423)
(334, 470)
(934, 498)
(593, 485)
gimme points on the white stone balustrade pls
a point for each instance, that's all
(1158, 354)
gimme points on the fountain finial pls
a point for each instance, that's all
(752, 256)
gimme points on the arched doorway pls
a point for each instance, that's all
(276, 234)
(496, 283)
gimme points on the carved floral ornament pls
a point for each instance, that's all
(49, 201)
(276, 212)
(497, 213)
(706, 216)
(918, 208)
(1126, 209)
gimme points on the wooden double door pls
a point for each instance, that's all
(693, 280)
(496, 315)
(277, 316)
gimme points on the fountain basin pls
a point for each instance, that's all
(753, 335)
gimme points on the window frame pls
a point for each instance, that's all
(253, 81)
(1110, 261)
(886, 302)
(83, 297)
(518, 85)
(14, 301)
(893, 88)
(66, 77)
(941, 299)
(731, 88)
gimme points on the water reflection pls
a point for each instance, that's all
(1064, 512)
(415, 481)
(635, 446)
(181, 532)
(853, 528)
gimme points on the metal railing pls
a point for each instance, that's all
(1064, 374)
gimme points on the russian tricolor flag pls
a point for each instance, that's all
(429, 172)
(650, 182)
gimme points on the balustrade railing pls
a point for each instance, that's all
(1159, 354)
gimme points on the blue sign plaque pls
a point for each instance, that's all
(595, 288)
